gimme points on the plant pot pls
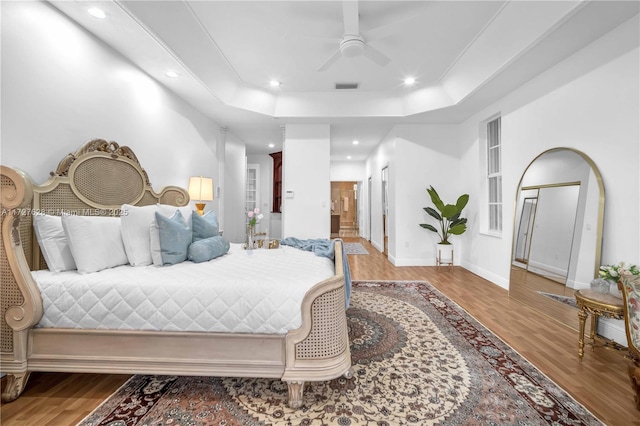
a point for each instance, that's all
(444, 254)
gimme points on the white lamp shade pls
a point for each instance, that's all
(201, 188)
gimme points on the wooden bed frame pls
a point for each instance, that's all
(97, 180)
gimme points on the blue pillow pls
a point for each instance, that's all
(207, 249)
(175, 237)
(204, 226)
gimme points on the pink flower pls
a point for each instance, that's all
(256, 211)
(250, 214)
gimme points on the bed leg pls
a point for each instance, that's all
(296, 390)
(14, 386)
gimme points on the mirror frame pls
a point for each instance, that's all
(600, 220)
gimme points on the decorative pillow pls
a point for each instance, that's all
(53, 243)
(168, 211)
(154, 239)
(207, 249)
(175, 237)
(95, 242)
(135, 223)
(204, 226)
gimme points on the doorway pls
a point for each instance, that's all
(344, 209)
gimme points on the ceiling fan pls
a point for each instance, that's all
(352, 44)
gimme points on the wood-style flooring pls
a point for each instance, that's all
(599, 381)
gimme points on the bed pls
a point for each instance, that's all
(97, 180)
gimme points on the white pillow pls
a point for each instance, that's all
(135, 223)
(95, 242)
(154, 240)
(53, 242)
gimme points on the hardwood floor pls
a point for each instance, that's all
(599, 381)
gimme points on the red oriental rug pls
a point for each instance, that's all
(418, 359)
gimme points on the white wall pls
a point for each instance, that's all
(306, 172)
(383, 156)
(347, 171)
(427, 155)
(235, 190)
(62, 87)
(589, 102)
(418, 156)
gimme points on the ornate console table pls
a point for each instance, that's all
(598, 305)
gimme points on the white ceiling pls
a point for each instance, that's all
(463, 54)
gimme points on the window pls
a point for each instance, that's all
(252, 199)
(494, 175)
(277, 181)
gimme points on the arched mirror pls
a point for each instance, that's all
(557, 235)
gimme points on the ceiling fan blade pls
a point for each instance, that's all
(330, 61)
(376, 56)
(350, 17)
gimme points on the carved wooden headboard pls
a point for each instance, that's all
(94, 181)
(97, 180)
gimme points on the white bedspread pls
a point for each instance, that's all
(258, 291)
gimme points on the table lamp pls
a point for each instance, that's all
(200, 189)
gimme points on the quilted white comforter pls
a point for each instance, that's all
(258, 291)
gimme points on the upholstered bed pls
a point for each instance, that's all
(44, 327)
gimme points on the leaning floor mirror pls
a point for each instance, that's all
(557, 237)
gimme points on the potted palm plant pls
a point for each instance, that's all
(449, 223)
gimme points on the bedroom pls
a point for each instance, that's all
(588, 101)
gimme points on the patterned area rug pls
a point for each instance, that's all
(571, 301)
(418, 359)
(355, 248)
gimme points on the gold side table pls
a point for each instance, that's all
(598, 305)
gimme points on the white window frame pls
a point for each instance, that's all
(490, 224)
(494, 203)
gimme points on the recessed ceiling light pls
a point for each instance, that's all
(97, 13)
(271, 145)
(409, 81)
(348, 157)
(172, 74)
(274, 83)
(355, 142)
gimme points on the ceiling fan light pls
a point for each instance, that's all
(352, 47)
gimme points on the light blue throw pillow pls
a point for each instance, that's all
(175, 238)
(204, 226)
(207, 249)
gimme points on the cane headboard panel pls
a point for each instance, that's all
(95, 181)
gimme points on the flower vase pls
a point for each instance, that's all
(250, 235)
(613, 289)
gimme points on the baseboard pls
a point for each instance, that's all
(612, 329)
(377, 246)
(489, 276)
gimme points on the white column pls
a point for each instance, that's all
(306, 181)
(219, 190)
